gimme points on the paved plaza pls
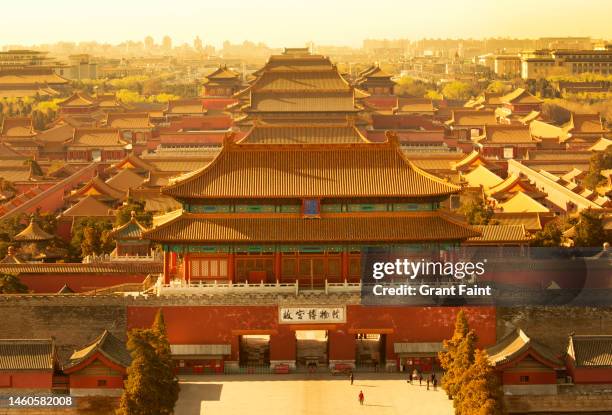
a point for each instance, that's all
(385, 394)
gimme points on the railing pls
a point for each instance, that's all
(178, 287)
(182, 287)
(342, 287)
(105, 258)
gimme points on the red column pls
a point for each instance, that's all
(277, 265)
(186, 267)
(345, 266)
(166, 267)
(230, 267)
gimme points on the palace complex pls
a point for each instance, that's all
(258, 204)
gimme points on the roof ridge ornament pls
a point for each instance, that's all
(392, 138)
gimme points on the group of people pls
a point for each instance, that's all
(416, 375)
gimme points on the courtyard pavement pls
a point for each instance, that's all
(302, 394)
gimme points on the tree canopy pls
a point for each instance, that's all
(151, 387)
(480, 392)
(589, 230)
(91, 236)
(457, 90)
(476, 211)
(457, 355)
(10, 284)
(124, 213)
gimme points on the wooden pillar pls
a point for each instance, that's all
(166, 267)
(345, 265)
(230, 267)
(278, 265)
(187, 267)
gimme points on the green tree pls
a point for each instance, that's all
(410, 87)
(589, 230)
(457, 90)
(10, 284)
(497, 87)
(480, 392)
(168, 378)
(550, 236)
(91, 236)
(124, 213)
(476, 211)
(600, 161)
(457, 355)
(146, 386)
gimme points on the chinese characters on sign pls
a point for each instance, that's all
(288, 315)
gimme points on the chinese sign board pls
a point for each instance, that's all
(301, 315)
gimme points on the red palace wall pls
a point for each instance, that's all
(26, 380)
(535, 378)
(223, 324)
(52, 283)
(112, 382)
(594, 375)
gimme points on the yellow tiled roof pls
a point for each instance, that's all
(601, 145)
(97, 138)
(88, 206)
(520, 96)
(32, 232)
(500, 234)
(520, 202)
(330, 170)
(303, 134)
(298, 102)
(481, 176)
(507, 134)
(420, 226)
(128, 120)
(473, 118)
(16, 127)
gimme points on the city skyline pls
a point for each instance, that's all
(294, 23)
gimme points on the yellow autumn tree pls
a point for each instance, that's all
(480, 391)
(457, 355)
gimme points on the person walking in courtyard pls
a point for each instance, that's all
(409, 377)
(420, 378)
(352, 377)
(434, 381)
(361, 397)
(427, 383)
(415, 374)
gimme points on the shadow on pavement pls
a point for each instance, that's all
(193, 394)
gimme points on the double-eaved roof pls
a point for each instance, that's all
(299, 83)
(309, 171)
(303, 134)
(329, 228)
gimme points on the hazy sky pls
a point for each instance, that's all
(293, 22)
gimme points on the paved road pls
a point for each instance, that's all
(304, 395)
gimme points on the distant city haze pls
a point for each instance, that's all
(294, 23)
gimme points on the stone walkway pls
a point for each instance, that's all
(385, 394)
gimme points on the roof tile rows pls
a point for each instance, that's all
(350, 170)
(31, 354)
(407, 227)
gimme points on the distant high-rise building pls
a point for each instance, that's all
(149, 42)
(167, 43)
(197, 43)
